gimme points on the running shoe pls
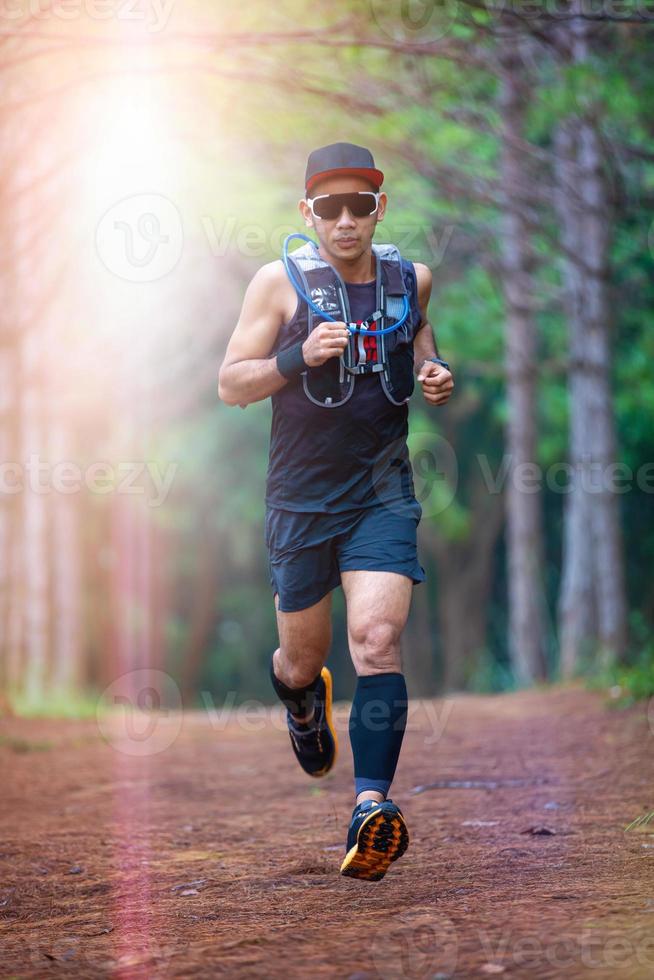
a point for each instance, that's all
(377, 836)
(316, 746)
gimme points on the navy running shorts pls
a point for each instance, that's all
(308, 551)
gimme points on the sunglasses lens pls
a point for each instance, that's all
(362, 204)
(331, 205)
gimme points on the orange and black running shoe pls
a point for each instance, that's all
(377, 836)
(316, 745)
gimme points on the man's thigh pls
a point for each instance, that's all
(377, 609)
(378, 563)
(376, 601)
(306, 633)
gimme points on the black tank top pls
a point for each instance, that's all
(344, 458)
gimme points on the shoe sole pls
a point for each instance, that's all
(326, 675)
(382, 838)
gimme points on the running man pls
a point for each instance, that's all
(340, 500)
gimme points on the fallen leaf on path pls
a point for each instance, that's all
(193, 855)
(479, 784)
(189, 884)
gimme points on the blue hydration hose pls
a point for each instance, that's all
(321, 313)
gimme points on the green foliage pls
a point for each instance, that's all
(631, 680)
(75, 705)
(641, 822)
(22, 746)
(489, 675)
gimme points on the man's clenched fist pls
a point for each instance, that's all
(328, 339)
(437, 383)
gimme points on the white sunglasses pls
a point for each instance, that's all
(360, 204)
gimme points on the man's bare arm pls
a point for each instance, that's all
(424, 344)
(436, 380)
(248, 373)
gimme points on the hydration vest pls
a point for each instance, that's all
(332, 383)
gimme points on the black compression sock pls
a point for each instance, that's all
(377, 725)
(299, 701)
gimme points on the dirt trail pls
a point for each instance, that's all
(217, 857)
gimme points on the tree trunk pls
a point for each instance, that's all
(7, 501)
(576, 611)
(593, 604)
(203, 614)
(66, 556)
(609, 574)
(35, 533)
(524, 517)
(464, 584)
(418, 648)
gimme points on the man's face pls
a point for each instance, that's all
(345, 237)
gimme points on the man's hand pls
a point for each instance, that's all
(437, 383)
(328, 339)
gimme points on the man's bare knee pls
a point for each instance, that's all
(305, 639)
(376, 648)
(297, 669)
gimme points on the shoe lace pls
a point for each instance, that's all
(315, 731)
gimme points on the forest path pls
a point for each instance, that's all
(217, 857)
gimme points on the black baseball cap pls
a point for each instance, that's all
(341, 159)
